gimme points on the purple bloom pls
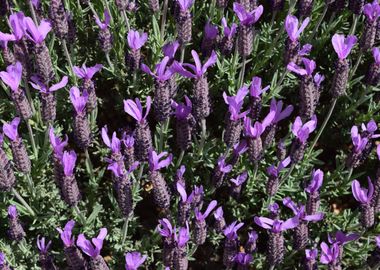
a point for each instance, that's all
(318, 79)
(10, 130)
(274, 208)
(243, 258)
(231, 230)
(273, 171)
(12, 211)
(182, 192)
(170, 49)
(240, 179)
(376, 55)
(229, 32)
(362, 195)
(302, 131)
(372, 11)
(155, 162)
(299, 211)
(43, 88)
(136, 40)
(67, 234)
(308, 70)
(341, 238)
(240, 148)
(37, 34)
(92, 249)
(199, 216)
(378, 151)
(57, 144)
(135, 110)
(185, 4)
(235, 103)
(181, 110)
(377, 238)
(12, 77)
(165, 228)
(197, 70)
(133, 260)
(277, 226)
(245, 17)
(305, 50)
(86, 73)
(342, 45)
(258, 128)
(223, 166)
(329, 255)
(358, 141)
(162, 71)
(78, 100)
(107, 19)
(183, 236)
(128, 140)
(210, 31)
(316, 181)
(252, 236)
(311, 254)
(16, 21)
(42, 246)
(68, 162)
(36, 3)
(291, 26)
(280, 114)
(116, 168)
(255, 89)
(114, 144)
(2, 259)
(218, 213)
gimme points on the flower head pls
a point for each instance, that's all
(78, 100)
(183, 236)
(274, 208)
(299, 210)
(362, 195)
(67, 234)
(318, 79)
(277, 226)
(182, 192)
(243, 258)
(329, 255)
(229, 32)
(258, 128)
(210, 31)
(198, 70)
(16, 21)
(165, 228)
(133, 260)
(135, 110)
(311, 254)
(68, 162)
(308, 70)
(255, 89)
(223, 166)
(136, 40)
(37, 34)
(235, 103)
(10, 130)
(43, 88)
(12, 212)
(57, 144)
(273, 171)
(341, 238)
(291, 27)
(181, 110)
(342, 45)
(114, 144)
(12, 77)
(279, 113)
(302, 131)
(372, 10)
(231, 230)
(240, 148)
(170, 49)
(316, 181)
(245, 17)
(305, 50)
(240, 179)
(42, 246)
(358, 141)
(85, 72)
(2, 259)
(92, 249)
(156, 161)
(199, 216)
(162, 71)
(107, 19)
(218, 213)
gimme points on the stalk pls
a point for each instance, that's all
(183, 47)
(315, 30)
(31, 137)
(109, 60)
(30, 184)
(68, 58)
(163, 18)
(179, 161)
(242, 71)
(125, 19)
(349, 175)
(356, 64)
(212, 9)
(29, 96)
(82, 218)
(125, 230)
(89, 164)
(287, 175)
(354, 24)
(23, 202)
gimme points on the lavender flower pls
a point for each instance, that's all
(201, 99)
(220, 172)
(58, 16)
(301, 232)
(330, 255)
(3, 264)
(93, 249)
(226, 42)
(313, 192)
(301, 132)
(372, 13)
(105, 36)
(180, 256)
(86, 74)
(275, 248)
(184, 22)
(8, 56)
(37, 35)
(255, 91)
(364, 197)
(310, 262)
(58, 146)
(48, 100)
(200, 230)
(373, 73)
(12, 78)
(342, 47)
(128, 149)
(135, 42)
(234, 123)
(133, 260)
(166, 230)
(185, 123)
(220, 222)
(294, 32)
(250, 245)
(170, 49)
(81, 125)
(70, 190)
(237, 184)
(342, 239)
(16, 231)
(273, 172)
(246, 29)
(46, 261)
(142, 135)
(161, 194)
(238, 149)
(209, 38)
(7, 177)
(230, 244)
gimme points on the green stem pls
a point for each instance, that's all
(141, 171)
(31, 137)
(92, 8)
(271, 267)
(349, 175)
(179, 161)
(203, 136)
(282, 78)
(163, 19)
(23, 202)
(163, 130)
(89, 164)
(125, 230)
(31, 7)
(29, 96)
(273, 18)
(82, 218)
(212, 9)
(68, 58)
(126, 21)
(287, 175)
(183, 47)
(30, 184)
(356, 64)
(315, 30)
(354, 24)
(109, 60)
(242, 71)
(322, 128)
